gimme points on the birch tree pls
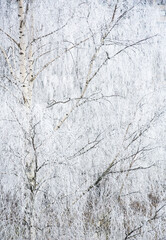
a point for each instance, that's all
(81, 114)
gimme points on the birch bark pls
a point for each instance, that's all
(26, 81)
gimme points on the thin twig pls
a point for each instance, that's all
(10, 37)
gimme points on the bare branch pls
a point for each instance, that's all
(129, 234)
(133, 44)
(99, 179)
(8, 62)
(89, 146)
(87, 99)
(111, 27)
(54, 59)
(114, 161)
(43, 54)
(144, 129)
(89, 79)
(6, 89)
(11, 38)
(48, 34)
(133, 169)
(18, 121)
(114, 12)
(84, 90)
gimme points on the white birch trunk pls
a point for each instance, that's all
(26, 81)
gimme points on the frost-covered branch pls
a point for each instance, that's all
(56, 58)
(8, 63)
(132, 169)
(10, 37)
(50, 33)
(89, 146)
(91, 98)
(90, 77)
(135, 232)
